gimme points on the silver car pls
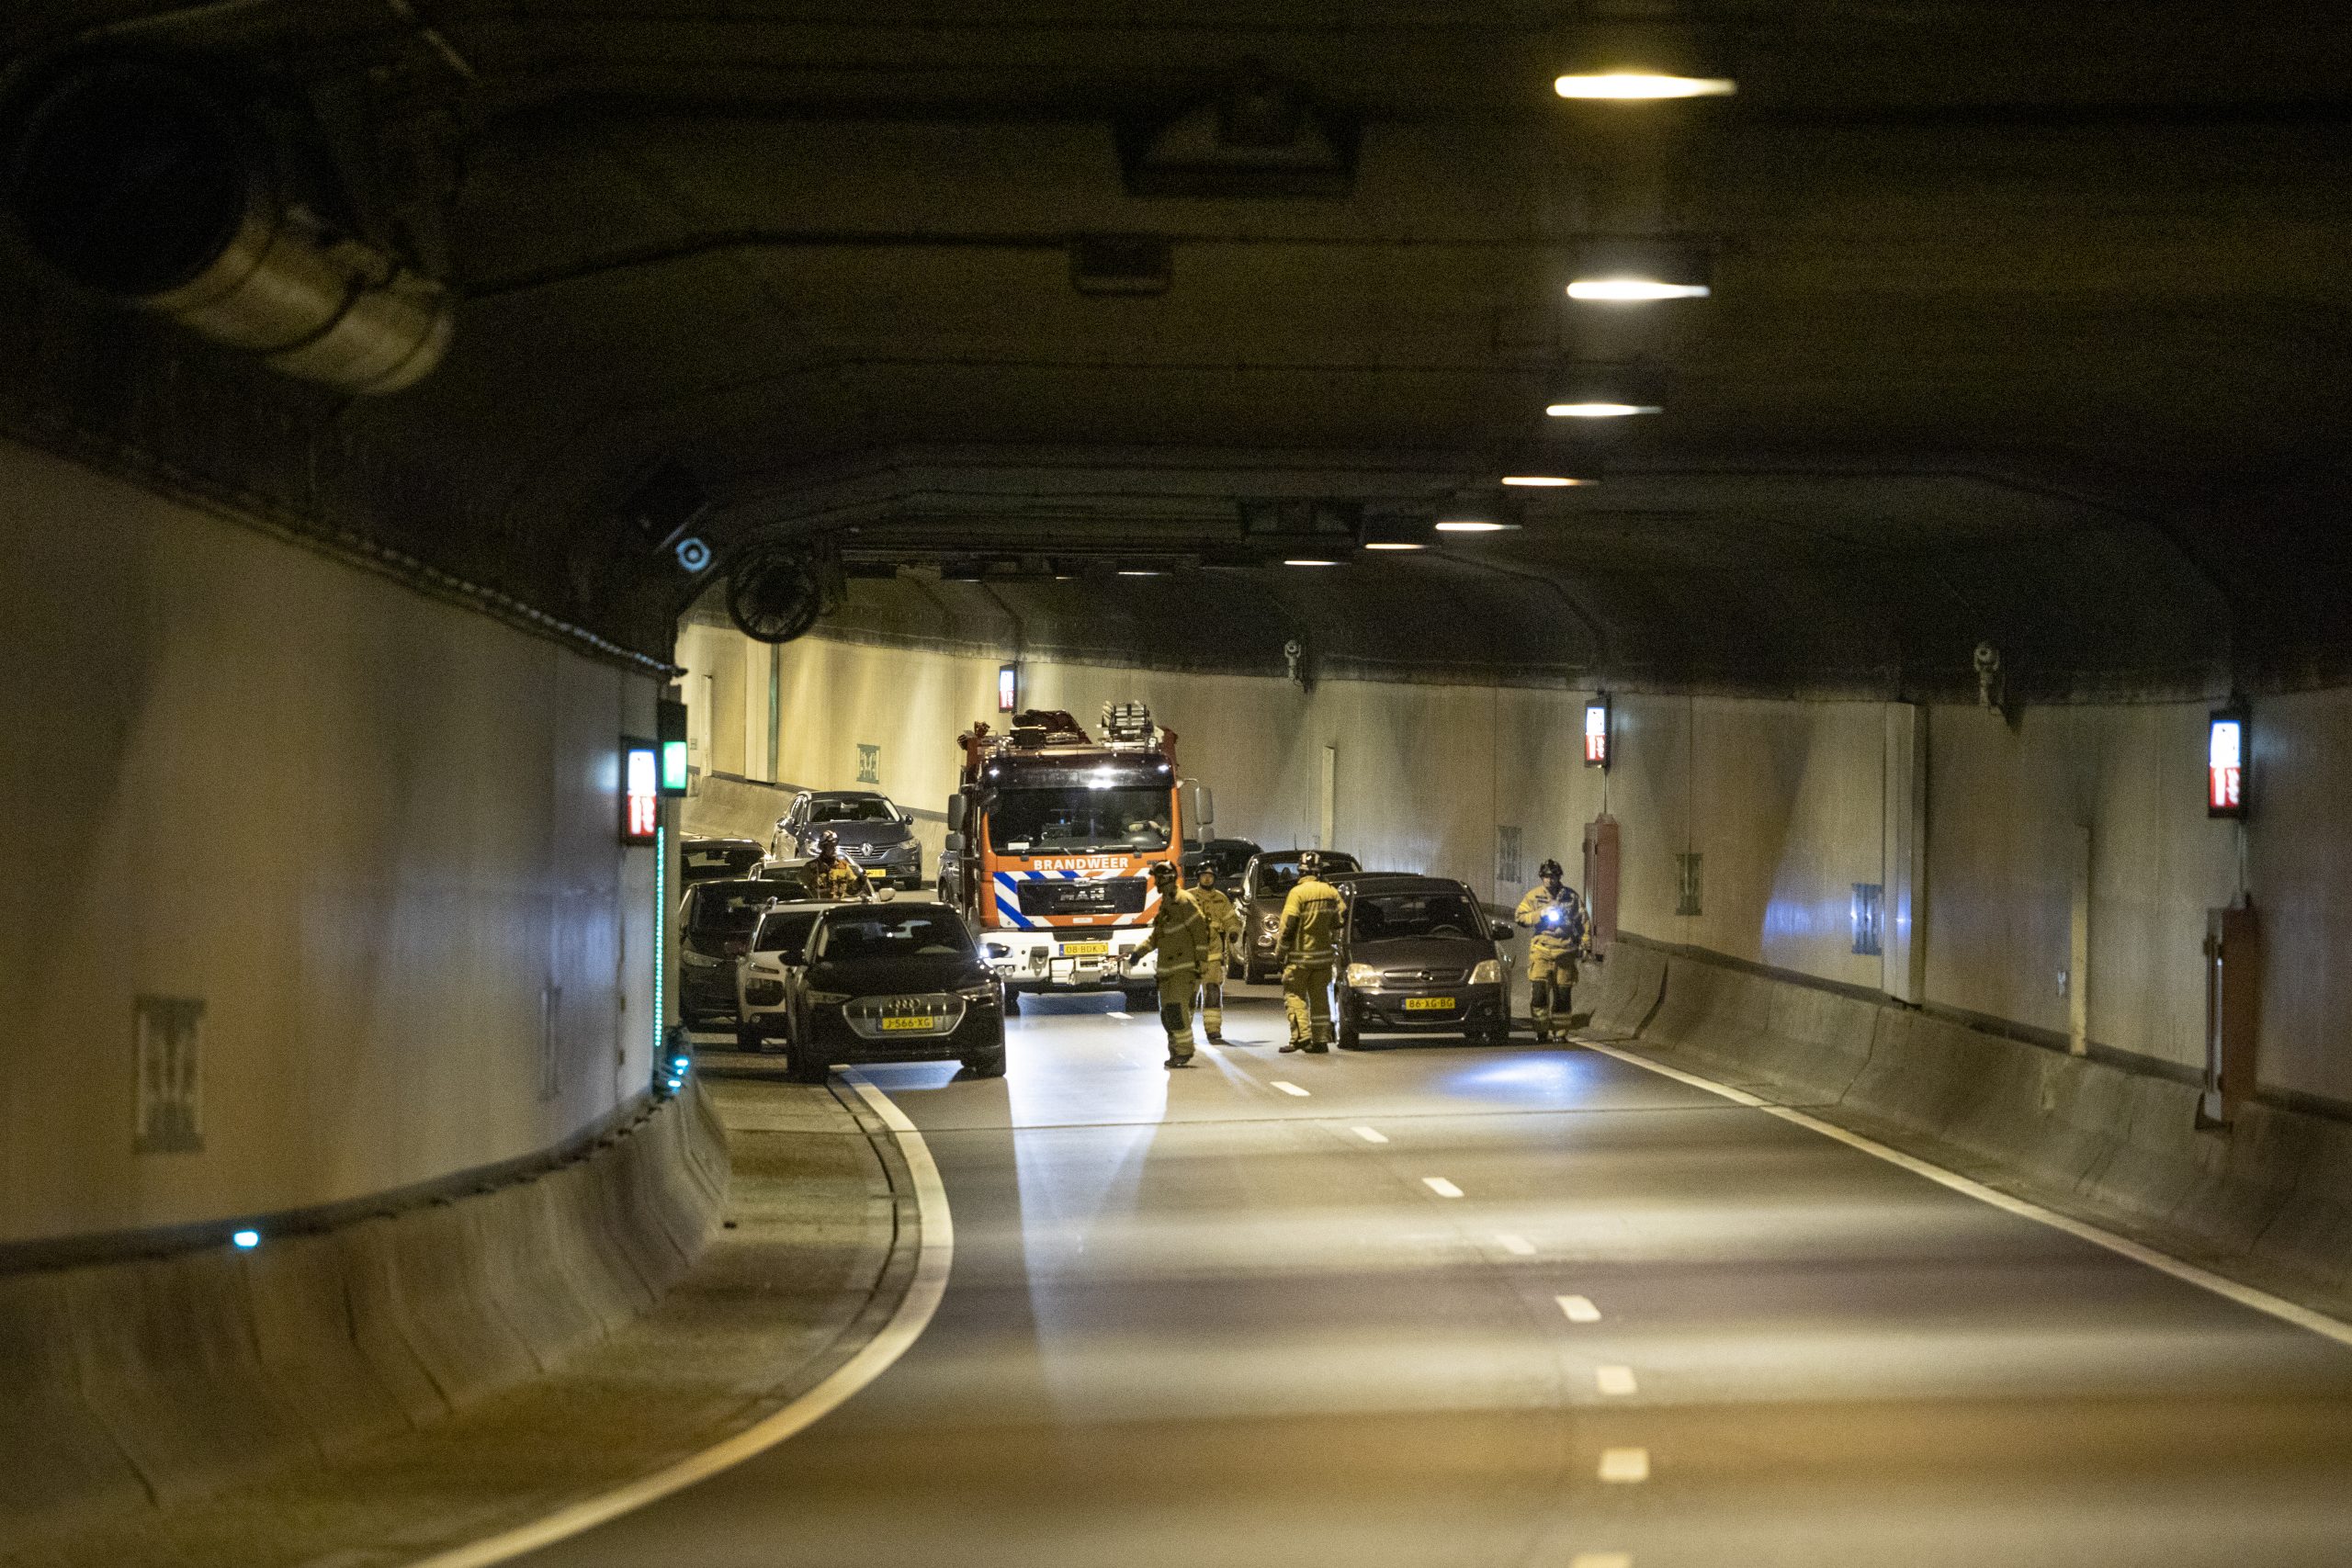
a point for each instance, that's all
(767, 974)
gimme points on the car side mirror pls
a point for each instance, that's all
(956, 840)
(1504, 933)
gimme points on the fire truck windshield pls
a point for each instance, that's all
(1075, 819)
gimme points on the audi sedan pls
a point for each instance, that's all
(894, 983)
(1417, 955)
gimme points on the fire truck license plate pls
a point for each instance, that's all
(1429, 1004)
(1085, 949)
(896, 1024)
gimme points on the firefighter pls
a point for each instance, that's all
(833, 875)
(1308, 947)
(1225, 929)
(1181, 936)
(1556, 914)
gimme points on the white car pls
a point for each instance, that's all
(766, 974)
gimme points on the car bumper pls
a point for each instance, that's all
(1472, 1007)
(706, 993)
(829, 1036)
(1044, 961)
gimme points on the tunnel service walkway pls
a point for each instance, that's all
(816, 1254)
(1447, 1306)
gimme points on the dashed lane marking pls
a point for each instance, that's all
(1624, 1466)
(1290, 1089)
(1616, 1383)
(1370, 1135)
(1441, 1186)
(2244, 1295)
(1517, 1246)
(1580, 1309)
(1601, 1560)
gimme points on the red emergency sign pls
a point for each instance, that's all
(1596, 733)
(640, 792)
(2225, 764)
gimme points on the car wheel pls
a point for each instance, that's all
(986, 1064)
(1349, 1038)
(802, 1068)
(1143, 999)
(1012, 1003)
(747, 1038)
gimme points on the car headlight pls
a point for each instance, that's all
(829, 998)
(978, 993)
(1489, 972)
(699, 960)
(1363, 976)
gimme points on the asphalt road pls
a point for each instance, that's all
(1508, 1306)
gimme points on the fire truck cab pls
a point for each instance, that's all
(1054, 832)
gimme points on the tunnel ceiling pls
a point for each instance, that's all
(2027, 323)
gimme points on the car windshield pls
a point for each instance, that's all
(785, 932)
(867, 811)
(722, 858)
(1075, 819)
(1385, 917)
(852, 935)
(729, 906)
(1276, 877)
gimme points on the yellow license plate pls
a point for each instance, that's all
(1085, 949)
(877, 873)
(910, 1026)
(1429, 1004)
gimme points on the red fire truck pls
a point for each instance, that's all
(1053, 831)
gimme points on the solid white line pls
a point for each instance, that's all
(934, 1252)
(2163, 1263)
(1441, 1186)
(1580, 1309)
(1625, 1465)
(1517, 1246)
(1290, 1089)
(1614, 1381)
(1370, 1135)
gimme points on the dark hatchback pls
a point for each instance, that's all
(717, 860)
(1417, 955)
(715, 921)
(1266, 883)
(895, 983)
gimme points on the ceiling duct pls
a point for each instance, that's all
(1259, 136)
(142, 185)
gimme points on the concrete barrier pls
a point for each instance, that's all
(1623, 991)
(153, 1379)
(2274, 1189)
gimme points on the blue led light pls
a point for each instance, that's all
(247, 1240)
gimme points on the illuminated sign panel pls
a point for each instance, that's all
(1008, 686)
(2225, 764)
(640, 792)
(1596, 733)
(672, 726)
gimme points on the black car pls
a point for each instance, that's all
(1417, 955)
(715, 921)
(713, 859)
(895, 983)
(869, 826)
(1266, 881)
(1228, 857)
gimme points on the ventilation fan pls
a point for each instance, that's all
(774, 592)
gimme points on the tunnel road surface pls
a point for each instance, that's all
(1516, 1306)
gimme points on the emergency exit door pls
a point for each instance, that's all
(1600, 879)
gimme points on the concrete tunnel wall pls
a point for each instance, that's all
(372, 832)
(1786, 801)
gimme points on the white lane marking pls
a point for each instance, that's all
(1290, 1089)
(1615, 1382)
(935, 1250)
(1601, 1560)
(1580, 1309)
(1441, 1186)
(1370, 1135)
(2163, 1263)
(1625, 1466)
(1517, 1246)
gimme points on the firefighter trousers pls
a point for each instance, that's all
(1306, 998)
